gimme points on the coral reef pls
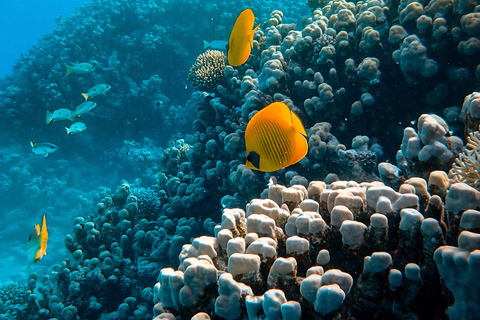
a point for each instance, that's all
(348, 238)
(351, 253)
(208, 71)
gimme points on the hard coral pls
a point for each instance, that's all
(11, 293)
(467, 167)
(360, 250)
(148, 201)
(208, 71)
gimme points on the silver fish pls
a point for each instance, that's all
(43, 148)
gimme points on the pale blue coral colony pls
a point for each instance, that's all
(373, 240)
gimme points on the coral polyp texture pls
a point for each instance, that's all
(208, 70)
(467, 165)
(346, 250)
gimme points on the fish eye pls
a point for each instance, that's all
(94, 89)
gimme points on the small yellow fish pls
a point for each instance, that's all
(96, 91)
(43, 148)
(275, 138)
(80, 68)
(77, 127)
(240, 42)
(37, 243)
(60, 114)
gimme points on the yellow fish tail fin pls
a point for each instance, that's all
(69, 69)
(32, 144)
(49, 117)
(68, 130)
(43, 237)
(85, 95)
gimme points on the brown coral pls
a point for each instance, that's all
(208, 71)
(467, 167)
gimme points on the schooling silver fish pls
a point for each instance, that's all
(43, 148)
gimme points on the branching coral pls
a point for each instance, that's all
(208, 71)
(467, 167)
(148, 201)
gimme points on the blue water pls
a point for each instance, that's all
(24, 22)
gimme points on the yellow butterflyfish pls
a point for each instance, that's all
(37, 243)
(240, 42)
(275, 138)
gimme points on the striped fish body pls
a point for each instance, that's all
(275, 138)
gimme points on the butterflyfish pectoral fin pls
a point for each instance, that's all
(252, 34)
(297, 124)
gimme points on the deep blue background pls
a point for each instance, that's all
(23, 22)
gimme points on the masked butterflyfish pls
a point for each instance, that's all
(43, 148)
(60, 114)
(80, 68)
(240, 42)
(96, 91)
(37, 243)
(275, 138)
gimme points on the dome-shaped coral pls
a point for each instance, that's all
(208, 70)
